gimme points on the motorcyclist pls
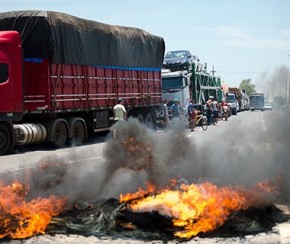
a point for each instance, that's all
(192, 112)
(225, 109)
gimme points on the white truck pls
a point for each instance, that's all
(176, 86)
(185, 86)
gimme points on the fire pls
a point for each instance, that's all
(194, 208)
(22, 218)
(150, 188)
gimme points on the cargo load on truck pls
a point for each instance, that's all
(62, 75)
(66, 39)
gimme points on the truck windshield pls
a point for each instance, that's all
(172, 83)
(230, 99)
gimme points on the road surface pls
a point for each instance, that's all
(248, 148)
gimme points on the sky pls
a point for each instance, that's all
(239, 39)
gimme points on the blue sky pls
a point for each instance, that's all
(241, 38)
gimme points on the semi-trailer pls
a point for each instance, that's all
(60, 77)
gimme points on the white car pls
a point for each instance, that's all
(232, 101)
(268, 106)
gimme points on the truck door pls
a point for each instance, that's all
(11, 90)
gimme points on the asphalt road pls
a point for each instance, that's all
(249, 147)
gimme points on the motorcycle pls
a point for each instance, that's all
(225, 112)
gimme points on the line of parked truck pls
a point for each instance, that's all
(185, 79)
(60, 77)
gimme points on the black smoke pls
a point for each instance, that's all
(230, 154)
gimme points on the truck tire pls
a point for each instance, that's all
(150, 122)
(78, 133)
(59, 135)
(140, 118)
(5, 140)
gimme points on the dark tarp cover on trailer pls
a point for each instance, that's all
(67, 39)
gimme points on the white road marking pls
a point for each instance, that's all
(264, 127)
(80, 160)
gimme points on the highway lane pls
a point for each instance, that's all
(30, 156)
(246, 148)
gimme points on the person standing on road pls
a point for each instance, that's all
(119, 113)
(175, 109)
(209, 109)
(165, 111)
(215, 107)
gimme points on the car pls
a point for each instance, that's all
(268, 106)
(181, 60)
(233, 102)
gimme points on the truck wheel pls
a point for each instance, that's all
(78, 133)
(149, 121)
(60, 135)
(140, 118)
(5, 140)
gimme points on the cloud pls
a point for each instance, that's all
(286, 33)
(27, 1)
(233, 32)
(235, 37)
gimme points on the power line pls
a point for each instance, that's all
(247, 72)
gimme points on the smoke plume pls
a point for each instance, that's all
(226, 155)
(276, 84)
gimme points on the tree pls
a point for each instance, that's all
(247, 86)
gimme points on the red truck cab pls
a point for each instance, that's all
(11, 92)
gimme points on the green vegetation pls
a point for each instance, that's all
(247, 86)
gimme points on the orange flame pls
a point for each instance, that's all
(195, 208)
(20, 218)
(150, 188)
